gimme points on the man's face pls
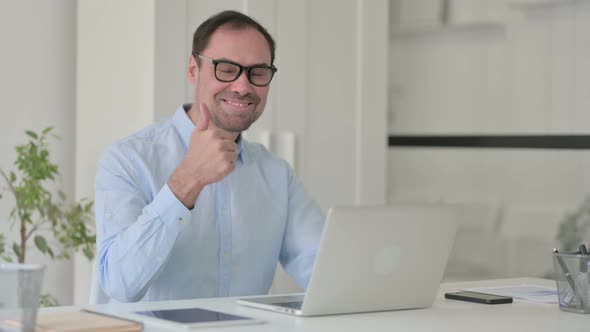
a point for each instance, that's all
(233, 106)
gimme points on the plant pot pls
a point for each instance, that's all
(20, 287)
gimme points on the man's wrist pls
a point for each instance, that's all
(185, 188)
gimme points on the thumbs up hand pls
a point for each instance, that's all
(210, 157)
(203, 123)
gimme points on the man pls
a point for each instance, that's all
(187, 208)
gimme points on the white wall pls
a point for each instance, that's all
(115, 89)
(527, 73)
(37, 89)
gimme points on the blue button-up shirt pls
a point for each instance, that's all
(151, 247)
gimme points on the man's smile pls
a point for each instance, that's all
(237, 104)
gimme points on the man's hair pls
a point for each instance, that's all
(233, 20)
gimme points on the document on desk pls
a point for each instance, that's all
(528, 293)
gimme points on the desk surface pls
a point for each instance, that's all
(444, 315)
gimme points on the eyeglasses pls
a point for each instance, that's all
(227, 71)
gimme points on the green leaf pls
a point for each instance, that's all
(88, 207)
(47, 300)
(12, 177)
(88, 253)
(41, 243)
(32, 134)
(2, 244)
(16, 249)
(50, 252)
(47, 130)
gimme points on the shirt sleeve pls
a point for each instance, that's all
(134, 235)
(305, 223)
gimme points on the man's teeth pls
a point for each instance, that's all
(233, 103)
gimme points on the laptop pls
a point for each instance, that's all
(374, 259)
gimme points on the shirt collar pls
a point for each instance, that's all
(184, 125)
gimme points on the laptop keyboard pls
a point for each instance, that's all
(292, 305)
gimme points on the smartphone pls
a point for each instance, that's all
(478, 297)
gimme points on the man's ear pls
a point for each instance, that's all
(192, 70)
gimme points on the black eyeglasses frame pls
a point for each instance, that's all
(247, 69)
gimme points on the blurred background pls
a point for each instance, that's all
(354, 76)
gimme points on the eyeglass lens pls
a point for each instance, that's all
(228, 72)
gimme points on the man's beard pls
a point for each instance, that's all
(234, 121)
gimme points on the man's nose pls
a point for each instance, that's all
(242, 85)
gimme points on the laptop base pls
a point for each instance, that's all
(290, 304)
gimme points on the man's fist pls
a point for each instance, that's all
(211, 156)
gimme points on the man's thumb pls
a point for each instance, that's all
(203, 123)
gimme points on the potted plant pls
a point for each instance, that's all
(52, 225)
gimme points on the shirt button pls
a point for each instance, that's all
(181, 221)
(224, 212)
(108, 215)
